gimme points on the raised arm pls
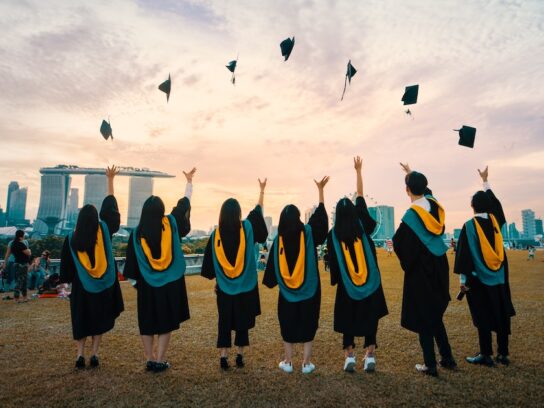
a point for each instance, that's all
(358, 164)
(111, 172)
(262, 185)
(496, 206)
(189, 187)
(182, 211)
(109, 211)
(321, 187)
(319, 221)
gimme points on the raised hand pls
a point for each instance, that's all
(484, 174)
(321, 184)
(406, 168)
(357, 163)
(189, 175)
(112, 171)
(262, 184)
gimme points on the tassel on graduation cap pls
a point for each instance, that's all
(287, 47)
(105, 130)
(231, 66)
(349, 74)
(166, 86)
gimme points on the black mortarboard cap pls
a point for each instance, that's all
(106, 131)
(166, 86)
(287, 47)
(467, 135)
(410, 95)
(231, 66)
(351, 71)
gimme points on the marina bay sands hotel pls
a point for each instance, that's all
(57, 200)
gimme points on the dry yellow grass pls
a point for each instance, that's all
(37, 357)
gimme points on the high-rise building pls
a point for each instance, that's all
(538, 227)
(456, 233)
(17, 207)
(13, 186)
(72, 209)
(96, 188)
(385, 214)
(3, 218)
(139, 190)
(53, 198)
(513, 232)
(528, 219)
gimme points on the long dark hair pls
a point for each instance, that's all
(230, 216)
(346, 223)
(290, 225)
(150, 226)
(84, 236)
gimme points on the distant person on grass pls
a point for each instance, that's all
(292, 265)
(230, 259)
(87, 262)
(483, 269)
(21, 258)
(531, 253)
(422, 254)
(360, 302)
(157, 264)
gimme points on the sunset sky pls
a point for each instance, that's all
(66, 65)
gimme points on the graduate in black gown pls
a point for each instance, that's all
(483, 268)
(360, 302)
(87, 263)
(230, 258)
(421, 251)
(156, 262)
(292, 265)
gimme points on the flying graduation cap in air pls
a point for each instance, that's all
(410, 95)
(231, 66)
(467, 135)
(166, 86)
(349, 74)
(287, 47)
(105, 129)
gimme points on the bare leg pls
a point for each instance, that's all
(307, 352)
(241, 350)
(96, 344)
(288, 351)
(370, 350)
(164, 340)
(224, 352)
(148, 347)
(349, 351)
(81, 347)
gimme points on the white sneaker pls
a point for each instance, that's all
(349, 364)
(286, 367)
(307, 368)
(370, 364)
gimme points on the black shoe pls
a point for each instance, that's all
(80, 362)
(448, 363)
(481, 360)
(94, 362)
(224, 363)
(502, 359)
(240, 361)
(161, 366)
(150, 366)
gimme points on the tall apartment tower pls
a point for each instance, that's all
(139, 190)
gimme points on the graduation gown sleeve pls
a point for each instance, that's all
(67, 266)
(109, 213)
(182, 214)
(255, 217)
(319, 221)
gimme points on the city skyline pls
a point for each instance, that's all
(282, 120)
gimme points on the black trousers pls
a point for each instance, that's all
(241, 338)
(427, 341)
(349, 340)
(486, 346)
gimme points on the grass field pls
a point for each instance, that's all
(37, 356)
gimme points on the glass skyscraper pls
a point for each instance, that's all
(139, 190)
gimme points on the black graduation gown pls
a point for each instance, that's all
(425, 294)
(490, 306)
(236, 312)
(162, 309)
(92, 313)
(299, 321)
(356, 317)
